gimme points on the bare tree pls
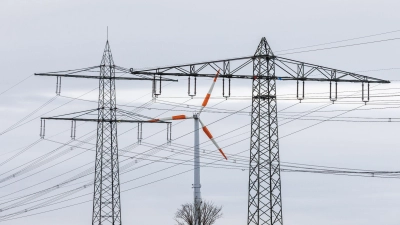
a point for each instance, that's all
(209, 213)
(185, 214)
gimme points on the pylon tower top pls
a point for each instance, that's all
(264, 48)
(107, 59)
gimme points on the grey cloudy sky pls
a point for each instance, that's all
(42, 36)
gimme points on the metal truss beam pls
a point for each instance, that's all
(264, 200)
(294, 70)
(106, 194)
(98, 77)
(102, 120)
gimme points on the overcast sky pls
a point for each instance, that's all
(44, 36)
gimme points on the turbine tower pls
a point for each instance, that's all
(196, 148)
(196, 181)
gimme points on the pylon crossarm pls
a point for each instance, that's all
(228, 68)
(101, 120)
(298, 70)
(88, 72)
(239, 68)
(98, 77)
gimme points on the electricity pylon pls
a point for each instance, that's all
(196, 169)
(264, 198)
(106, 194)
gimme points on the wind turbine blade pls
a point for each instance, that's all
(205, 101)
(177, 117)
(209, 135)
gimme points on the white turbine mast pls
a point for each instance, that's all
(196, 118)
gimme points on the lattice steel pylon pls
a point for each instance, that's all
(264, 200)
(106, 194)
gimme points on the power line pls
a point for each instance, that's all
(157, 180)
(29, 115)
(19, 82)
(342, 46)
(344, 40)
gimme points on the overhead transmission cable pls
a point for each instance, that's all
(19, 82)
(344, 40)
(342, 46)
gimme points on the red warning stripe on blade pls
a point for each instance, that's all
(223, 154)
(209, 135)
(179, 117)
(206, 100)
(216, 76)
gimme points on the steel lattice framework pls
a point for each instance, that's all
(265, 198)
(106, 194)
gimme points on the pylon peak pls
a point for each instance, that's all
(107, 58)
(264, 48)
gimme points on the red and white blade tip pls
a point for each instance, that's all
(177, 117)
(205, 101)
(209, 135)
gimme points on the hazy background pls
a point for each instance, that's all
(43, 36)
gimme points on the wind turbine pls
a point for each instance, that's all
(196, 118)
